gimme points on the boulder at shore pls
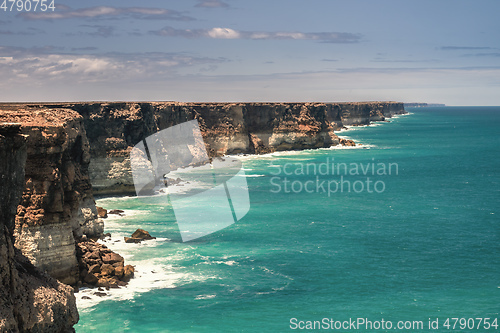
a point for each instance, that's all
(101, 267)
(103, 213)
(138, 236)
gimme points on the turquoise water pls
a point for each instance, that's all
(425, 245)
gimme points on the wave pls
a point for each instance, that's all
(306, 152)
(358, 146)
(127, 250)
(105, 200)
(395, 116)
(209, 296)
(149, 275)
(126, 213)
(347, 128)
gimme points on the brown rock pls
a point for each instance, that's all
(122, 283)
(132, 240)
(91, 262)
(116, 211)
(90, 279)
(119, 271)
(113, 282)
(108, 282)
(107, 269)
(118, 264)
(103, 282)
(91, 255)
(142, 234)
(128, 273)
(347, 142)
(103, 213)
(94, 269)
(138, 236)
(111, 258)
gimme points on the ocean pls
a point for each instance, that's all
(399, 234)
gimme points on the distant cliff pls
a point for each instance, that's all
(227, 128)
(30, 300)
(423, 105)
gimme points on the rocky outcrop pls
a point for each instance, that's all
(57, 206)
(227, 128)
(30, 300)
(101, 267)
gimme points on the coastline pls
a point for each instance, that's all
(155, 276)
(301, 252)
(65, 135)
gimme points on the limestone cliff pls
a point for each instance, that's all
(57, 206)
(227, 128)
(75, 149)
(30, 300)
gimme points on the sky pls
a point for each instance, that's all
(439, 51)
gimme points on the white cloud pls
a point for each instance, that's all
(454, 86)
(30, 66)
(223, 33)
(227, 33)
(65, 12)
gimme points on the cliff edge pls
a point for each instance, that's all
(54, 157)
(30, 300)
(227, 128)
(56, 206)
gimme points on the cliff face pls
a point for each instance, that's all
(30, 300)
(227, 128)
(57, 206)
(365, 113)
(59, 146)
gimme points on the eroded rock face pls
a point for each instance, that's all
(101, 267)
(30, 300)
(57, 205)
(227, 128)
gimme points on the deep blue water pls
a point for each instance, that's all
(426, 246)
